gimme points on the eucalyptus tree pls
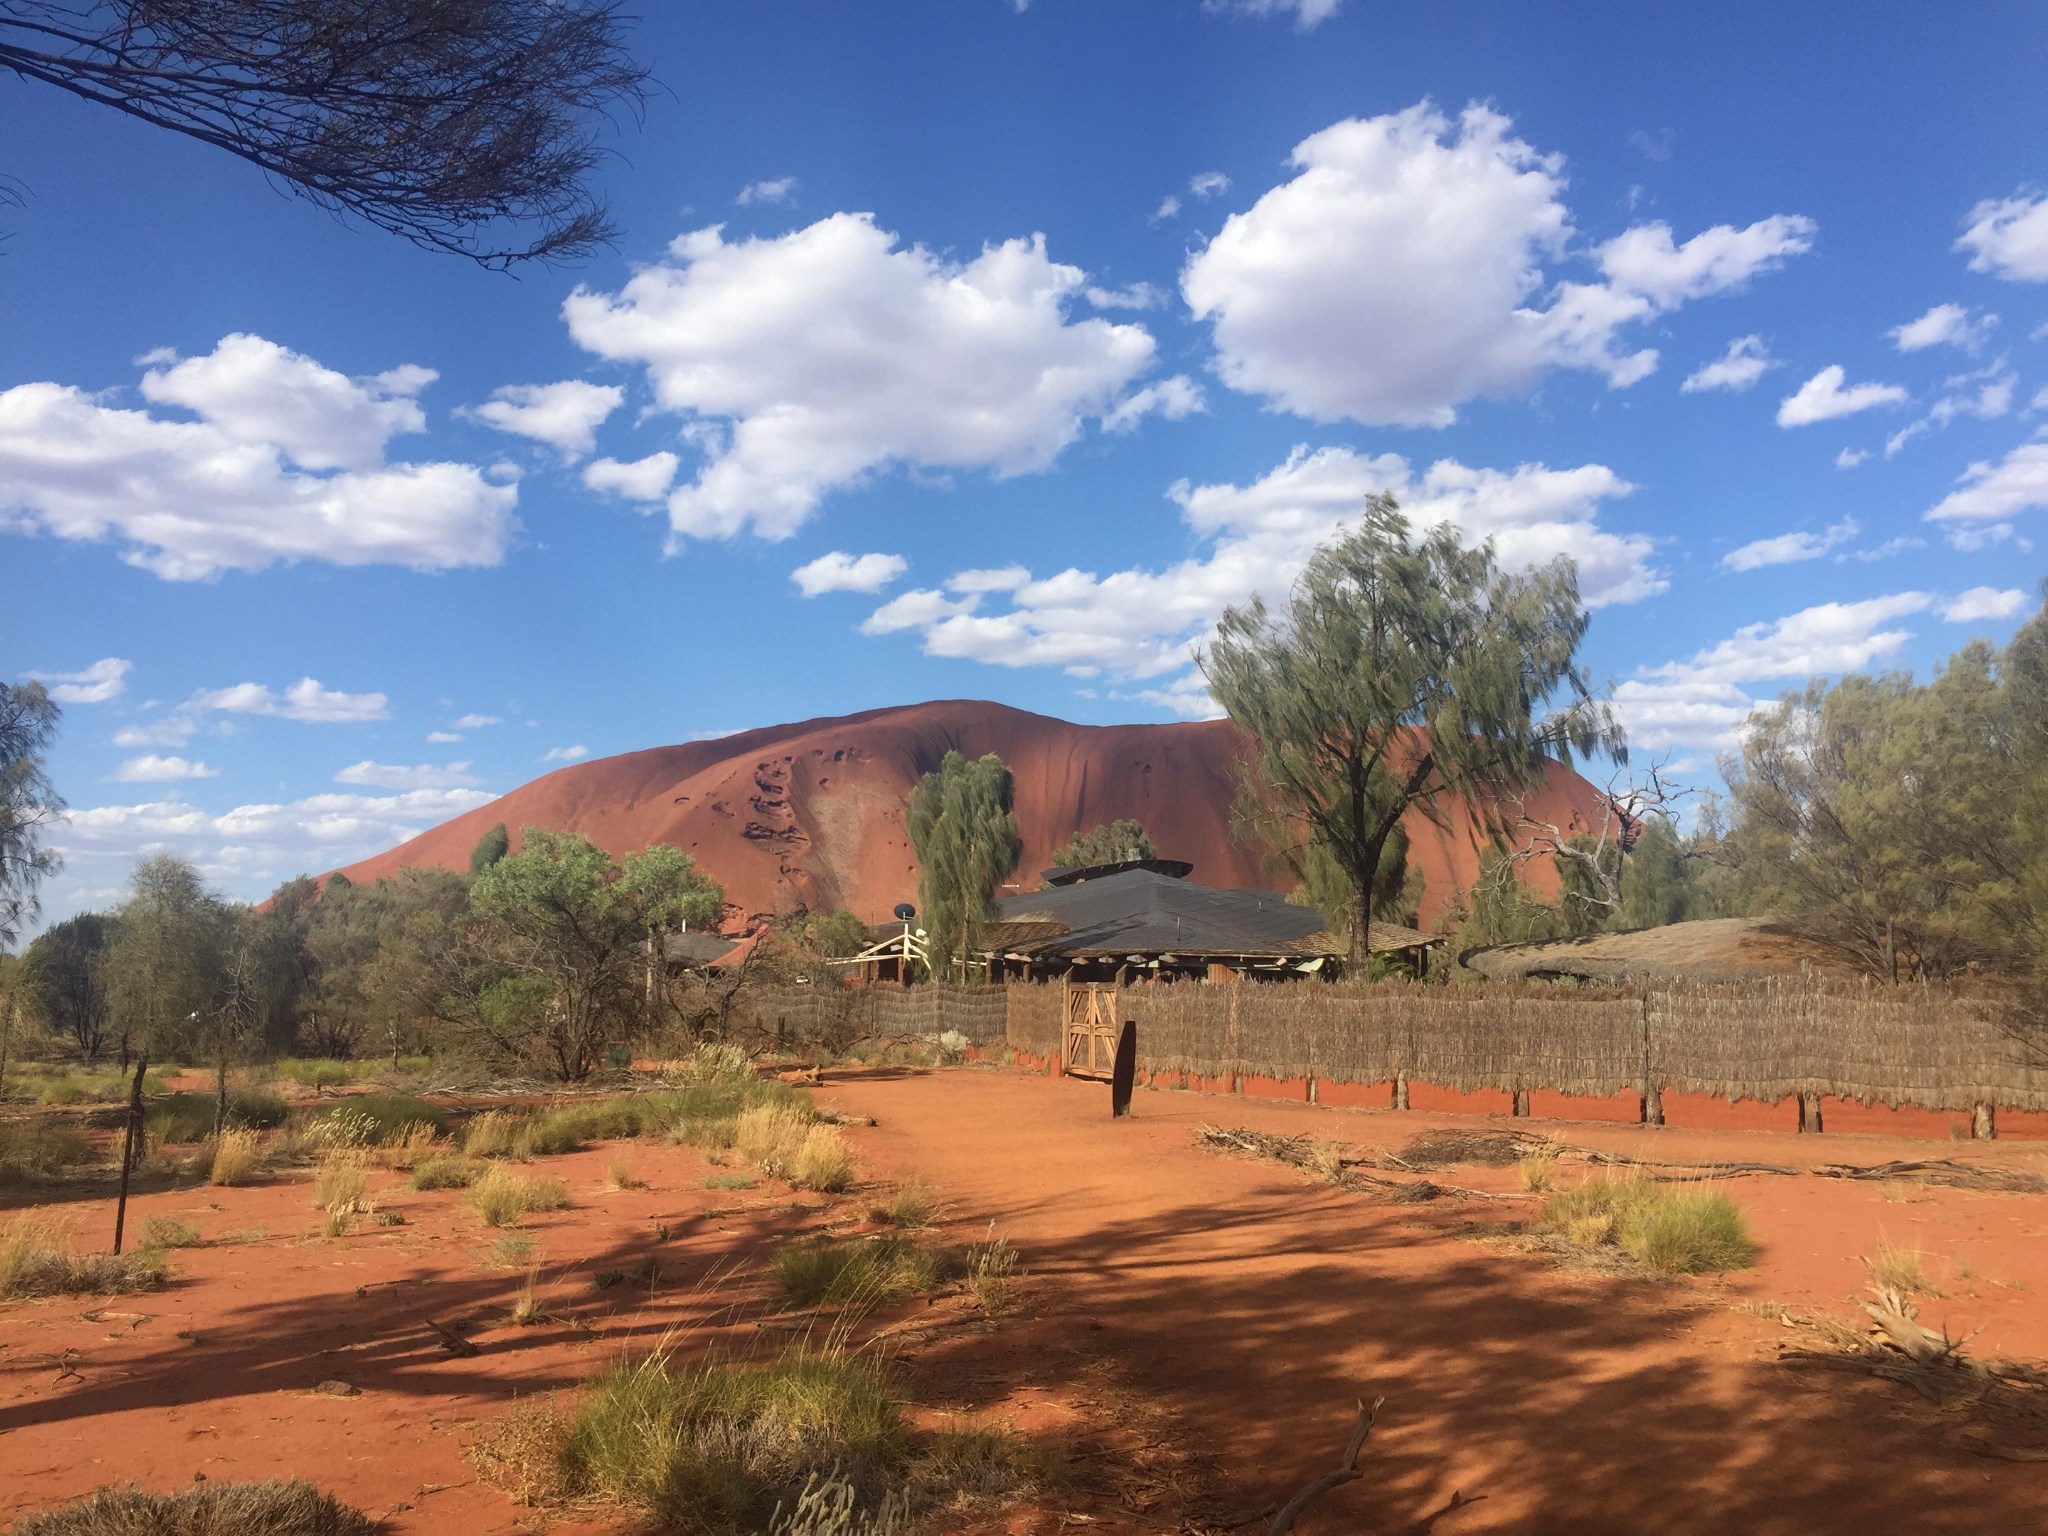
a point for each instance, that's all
(29, 804)
(67, 979)
(963, 827)
(1125, 838)
(1405, 672)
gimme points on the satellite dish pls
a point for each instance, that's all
(905, 912)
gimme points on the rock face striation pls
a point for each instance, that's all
(810, 816)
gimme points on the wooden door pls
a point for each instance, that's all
(1088, 1043)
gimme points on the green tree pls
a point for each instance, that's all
(490, 848)
(1322, 883)
(1122, 840)
(963, 827)
(438, 120)
(1404, 672)
(571, 935)
(67, 979)
(167, 966)
(835, 934)
(1500, 909)
(28, 804)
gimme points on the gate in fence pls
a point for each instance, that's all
(1088, 1041)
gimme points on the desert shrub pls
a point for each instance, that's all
(181, 1119)
(451, 1172)
(35, 1261)
(490, 1134)
(323, 1072)
(208, 1509)
(1676, 1229)
(772, 1136)
(824, 1162)
(823, 1273)
(109, 1085)
(390, 1116)
(713, 1449)
(830, 1506)
(235, 1156)
(511, 1250)
(33, 1149)
(501, 1196)
(620, 1175)
(169, 1232)
(730, 1180)
(910, 1207)
(410, 1147)
(974, 1463)
(339, 1181)
(1533, 1171)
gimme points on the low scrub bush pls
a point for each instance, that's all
(771, 1136)
(235, 1157)
(35, 1149)
(823, 1273)
(36, 1261)
(911, 1207)
(992, 1272)
(490, 1134)
(390, 1116)
(824, 1162)
(169, 1232)
(1675, 1229)
(183, 1119)
(414, 1145)
(107, 1085)
(323, 1071)
(730, 1180)
(449, 1172)
(339, 1181)
(813, 1443)
(1902, 1269)
(501, 1196)
(208, 1509)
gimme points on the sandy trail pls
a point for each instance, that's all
(1258, 1306)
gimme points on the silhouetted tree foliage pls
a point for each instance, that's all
(68, 977)
(442, 121)
(833, 933)
(29, 803)
(490, 848)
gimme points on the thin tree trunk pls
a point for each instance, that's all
(220, 1096)
(128, 1147)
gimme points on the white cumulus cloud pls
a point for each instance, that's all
(1402, 271)
(1141, 624)
(1945, 325)
(476, 722)
(810, 361)
(306, 700)
(1823, 398)
(645, 479)
(1996, 493)
(841, 572)
(152, 769)
(565, 754)
(1208, 184)
(1984, 603)
(283, 463)
(1746, 360)
(376, 775)
(1307, 14)
(2008, 237)
(105, 679)
(776, 190)
(564, 415)
(1175, 399)
(1790, 548)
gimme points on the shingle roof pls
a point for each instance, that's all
(695, 948)
(1139, 911)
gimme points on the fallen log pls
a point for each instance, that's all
(1347, 1472)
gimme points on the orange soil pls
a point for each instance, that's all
(810, 816)
(1184, 1311)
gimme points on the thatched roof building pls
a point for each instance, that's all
(1712, 949)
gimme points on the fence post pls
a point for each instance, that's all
(1653, 1091)
(1401, 1088)
(1984, 1123)
(1230, 1048)
(1521, 1102)
(1809, 1114)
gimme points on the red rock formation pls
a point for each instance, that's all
(810, 816)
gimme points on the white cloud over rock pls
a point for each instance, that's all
(376, 775)
(284, 462)
(564, 415)
(842, 572)
(1823, 398)
(812, 360)
(1142, 624)
(1402, 272)
(2008, 237)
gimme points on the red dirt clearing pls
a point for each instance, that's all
(1201, 1310)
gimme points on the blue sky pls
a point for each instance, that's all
(969, 349)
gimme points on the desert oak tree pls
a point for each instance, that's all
(448, 122)
(1405, 671)
(963, 827)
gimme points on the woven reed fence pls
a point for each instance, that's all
(1768, 1040)
(836, 1016)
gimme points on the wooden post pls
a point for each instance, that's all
(1401, 1090)
(1653, 1091)
(1230, 1044)
(1521, 1102)
(1809, 1114)
(128, 1147)
(1124, 1075)
(1984, 1123)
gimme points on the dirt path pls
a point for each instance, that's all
(1257, 1306)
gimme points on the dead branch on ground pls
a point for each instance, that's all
(1944, 1171)
(1347, 1472)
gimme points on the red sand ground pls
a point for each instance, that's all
(810, 816)
(1187, 1316)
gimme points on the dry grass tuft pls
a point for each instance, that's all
(824, 1162)
(502, 1197)
(415, 1144)
(1901, 1269)
(1675, 1229)
(210, 1509)
(772, 1136)
(340, 1179)
(866, 1272)
(235, 1156)
(992, 1272)
(619, 1175)
(448, 1172)
(1533, 1171)
(911, 1208)
(36, 1261)
(522, 1452)
(169, 1232)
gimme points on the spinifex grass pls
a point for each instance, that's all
(1676, 1229)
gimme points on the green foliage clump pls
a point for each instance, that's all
(1120, 841)
(35, 1261)
(963, 824)
(169, 1232)
(502, 1197)
(181, 1119)
(1675, 1229)
(382, 1117)
(323, 1071)
(109, 1086)
(208, 1509)
(447, 1173)
(866, 1272)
